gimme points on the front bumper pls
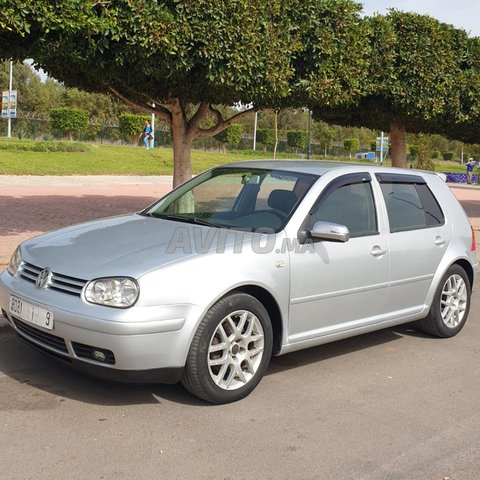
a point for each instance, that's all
(142, 343)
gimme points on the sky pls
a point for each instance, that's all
(460, 13)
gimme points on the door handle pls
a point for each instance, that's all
(439, 241)
(378, 251)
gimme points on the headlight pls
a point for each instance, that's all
(15, 262)
(112, 292)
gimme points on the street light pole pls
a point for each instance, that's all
(308, 139)
(381, 148)
(10, 88)
(255, 132)
(152, 125)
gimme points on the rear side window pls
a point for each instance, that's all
(411, 206)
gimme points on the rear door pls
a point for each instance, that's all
(419, 236)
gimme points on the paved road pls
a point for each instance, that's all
(392, 405)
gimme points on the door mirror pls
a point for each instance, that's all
(331, 232)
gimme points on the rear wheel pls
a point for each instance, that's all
(230, 351)
(451, 304)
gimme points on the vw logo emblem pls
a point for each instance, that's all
(43, 279)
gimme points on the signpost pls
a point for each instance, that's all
(9, 104)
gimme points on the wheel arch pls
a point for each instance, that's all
(272, 307)
(467, 266)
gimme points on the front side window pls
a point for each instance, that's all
(229, 197)
(351, 205)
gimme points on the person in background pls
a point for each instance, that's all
(471, 164)
(147, 134)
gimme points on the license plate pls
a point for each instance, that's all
(31, 313)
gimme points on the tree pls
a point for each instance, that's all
(351, 145)
(232, 134)
(68, 120)
(424, 76)
(325, 134)
(266, 136)
(188, 57)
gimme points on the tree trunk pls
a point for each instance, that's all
(182, 144)
(182, 166)
(398, 141)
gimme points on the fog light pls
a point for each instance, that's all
(100, 356)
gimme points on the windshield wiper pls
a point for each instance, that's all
(182, 218)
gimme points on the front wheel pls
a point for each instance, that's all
(230, 350)
(451, 303)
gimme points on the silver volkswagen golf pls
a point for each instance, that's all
(244, 261)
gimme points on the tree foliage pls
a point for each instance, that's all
(351, 145)
(201, 52)
(266, 136)
(424, 76)
(131, 125)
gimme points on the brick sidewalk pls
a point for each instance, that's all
(33, 205)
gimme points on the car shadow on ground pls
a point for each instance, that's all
(25, 365)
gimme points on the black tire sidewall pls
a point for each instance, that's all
(435, 312)
(216, 314)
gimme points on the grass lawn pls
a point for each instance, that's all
(125, 160)
(113, 160)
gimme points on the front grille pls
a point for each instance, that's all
(45, 339)
(59, 282)
(86, 351)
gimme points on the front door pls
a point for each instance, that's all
(340, 286)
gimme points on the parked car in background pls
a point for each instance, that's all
(244, 261)
(366, 155)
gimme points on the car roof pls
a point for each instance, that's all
(319, 167)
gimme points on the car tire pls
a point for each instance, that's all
(450, 306)
(230, 351)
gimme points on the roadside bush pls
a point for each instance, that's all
(447, 155)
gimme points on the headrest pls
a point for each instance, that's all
(282, 200)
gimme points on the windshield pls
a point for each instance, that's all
(230, 197)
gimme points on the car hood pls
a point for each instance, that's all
(120, 246)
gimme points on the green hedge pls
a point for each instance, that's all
(68, 120)
(28, 146)
(266, 136)
(232, 134)
(297, 139)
